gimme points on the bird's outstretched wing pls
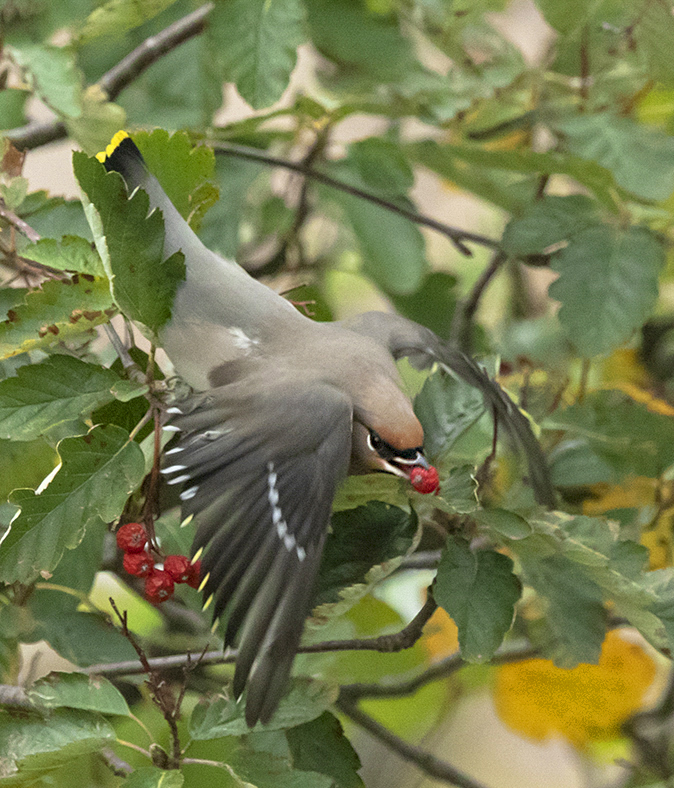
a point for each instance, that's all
(259, 467)
(404, 338)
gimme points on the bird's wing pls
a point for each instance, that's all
(259, 473)
(404, 338)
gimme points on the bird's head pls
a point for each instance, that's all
(388, 438)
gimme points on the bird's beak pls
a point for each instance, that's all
(400, 466)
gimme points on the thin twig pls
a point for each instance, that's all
(120, 76)
(119, 767)
(462, 324)
(511, 652)
(456, 236)
(426, 761)
(397, 641)
(16, 221)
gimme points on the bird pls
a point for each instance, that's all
(282, 408)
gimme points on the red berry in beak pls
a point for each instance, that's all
(424, 480)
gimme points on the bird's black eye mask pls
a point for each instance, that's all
(387, 452)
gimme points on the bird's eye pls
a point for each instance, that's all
(375, 442)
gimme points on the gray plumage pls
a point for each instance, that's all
(283, 409)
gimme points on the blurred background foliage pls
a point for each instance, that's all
(502, 172)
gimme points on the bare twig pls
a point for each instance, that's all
(426, 761)
(398, 641)
(113, 82)
(462, 323)
(456, 236)
(18, 222)
(119, 767)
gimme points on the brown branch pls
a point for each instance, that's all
(462, 323)
(398, 641)
(425, 761)
(17, 222)
(120, 76)
(511, 652)
(456, 236)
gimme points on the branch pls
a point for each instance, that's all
(18, 223)
(456, 236)
(463, 319)
(398, 641)
(113, 82)
(511, 652)
(424, 760)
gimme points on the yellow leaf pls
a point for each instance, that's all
(587, 703)
(441, 636)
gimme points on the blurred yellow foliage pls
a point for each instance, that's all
(441, 636)
(585, 704)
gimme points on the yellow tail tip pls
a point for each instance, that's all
(114, 142)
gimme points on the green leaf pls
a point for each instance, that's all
(130, 243)
(640, 158)
(98, 472)
(185, 172)
(504, 523)
(321, 746)
(58, 390)
(223, 716)
(573, 463)
(432, 305)
(479, 591)
(446, 408)
(392, 246)
(449, 160)
(117, 16)
(71, 253)
(624, 434)
(33, 745)
(12, 102)
(78, 691)
(58, 311)
(257, 42)
(153, 777)
(550, 222)
(99, 121)
(457, 493)
(364, 545)
(54, 76)
(607, 286)
(24, 464)
(654, 33)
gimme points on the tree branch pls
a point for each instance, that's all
(113, 82)
(426, 761)
(456, 236)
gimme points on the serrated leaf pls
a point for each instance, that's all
(32, 745)
(58, 311)
(185, 172)
(364, 545)
(479, 591)
(78, 691)
(321, 746)
(53, 74)
(117, 16)
(458, 491)
(446, 407)
(59, 389)
(98, 472)
(223, 716)
(257, 42)
(130, 243)
(624, 434)
(99, 121)
(607, 285)
(640, 158)
(71, 253)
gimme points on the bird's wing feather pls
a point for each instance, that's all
(259, 467)
(404, 338)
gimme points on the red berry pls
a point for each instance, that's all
(179, 567)
(159, 586)
(194, 580)
(132, 538)
(424, 480)
(138, 564)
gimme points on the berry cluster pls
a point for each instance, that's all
(424, 480)
(159, 583)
